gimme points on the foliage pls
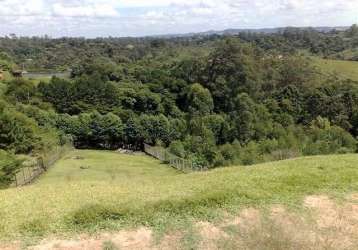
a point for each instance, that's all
(93, 130)
(216, 100)
(9, 166)
(17, 132)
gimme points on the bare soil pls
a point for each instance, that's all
(324, 224)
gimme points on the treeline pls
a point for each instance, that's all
(232, 102)
(44, 53)
(333, 44)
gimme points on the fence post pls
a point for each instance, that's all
(23, 175)
(37, 168)
(28, 173)
(16, 180)
(162, 154)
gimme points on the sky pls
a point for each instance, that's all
(118, 18)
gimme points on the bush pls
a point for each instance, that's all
(327, 139)
(250, 154)
(177, 148)
(18, 133)
(9, 166)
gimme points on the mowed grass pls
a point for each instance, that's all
(105, 166)
(339, 68)
(110, 191)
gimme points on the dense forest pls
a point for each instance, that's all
(216, 100)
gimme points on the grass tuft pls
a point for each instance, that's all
(92, 215)
(36, 228)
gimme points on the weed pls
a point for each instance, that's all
(92, 215)
(35, 227)
(109, 245)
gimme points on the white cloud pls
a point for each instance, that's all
(89, 10)
(144, 17)
(21, 8)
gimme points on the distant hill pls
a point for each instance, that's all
(262, 30)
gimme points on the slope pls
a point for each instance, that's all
(91, 191)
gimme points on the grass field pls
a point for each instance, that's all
(342, 69)
(89, 191)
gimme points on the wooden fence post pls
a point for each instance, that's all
(16, 181)
(23, 175)
(176, 162)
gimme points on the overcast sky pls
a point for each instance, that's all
(93, 18)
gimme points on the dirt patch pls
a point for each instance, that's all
(171, 241)
(353, 197)
(337, 226)
(136, 239)
(13, 246)
(326, 210)
(209, 235)
(246, 218)
(324, 225)
(70, 245)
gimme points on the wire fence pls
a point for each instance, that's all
(180, 164)
(32, 169)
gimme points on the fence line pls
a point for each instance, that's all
(181, 164)
(31, 170)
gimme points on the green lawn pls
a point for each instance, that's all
(103, 166)
(343, 69)
(109, 191)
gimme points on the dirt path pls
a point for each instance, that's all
(325, 225)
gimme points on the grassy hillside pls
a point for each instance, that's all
(342, 69)
(92, 190)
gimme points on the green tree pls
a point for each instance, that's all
(199, 100)
(21, 90)
(18, 133)
(154, 128)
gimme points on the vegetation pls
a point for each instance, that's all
(216, 100)
(9, 165)
(95, 190)
(339, 68)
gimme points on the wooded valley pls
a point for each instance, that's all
(215, 100)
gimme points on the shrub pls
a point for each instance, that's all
(327, 139)
(229, 153)
(177, 148)
(250, 154)
(18, 132)
(9, 166)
